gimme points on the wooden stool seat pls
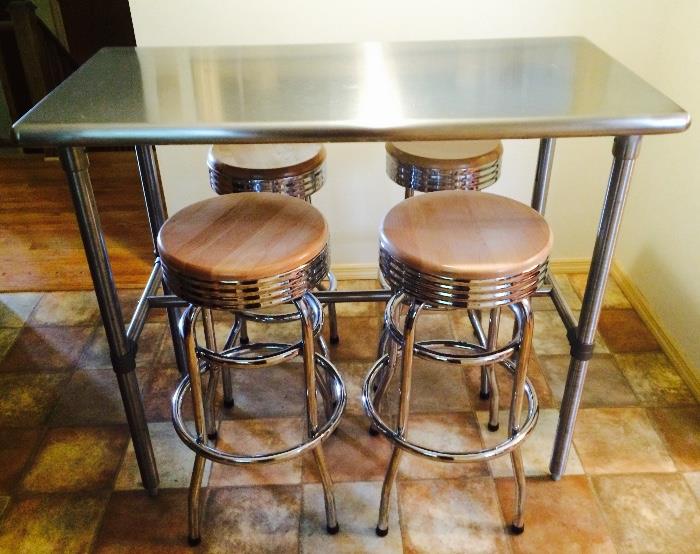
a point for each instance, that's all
(239, 237)
(468, 235)
(265, 161)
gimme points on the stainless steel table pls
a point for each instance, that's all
(519, 88)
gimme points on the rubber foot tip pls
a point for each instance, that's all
(213, 436)
(153, 492)
(373, 431)
(228, 403)
(493, 428)
(194, 542)
(245, 341)
(484, 395)
(335, 340)
(333, 530)
(382, 532)
(515, 530)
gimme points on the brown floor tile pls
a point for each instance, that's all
(27, 399)
(66, 308)
(650, 513)
(552, 506)
(619, 440)
(613, 298)
(536, 449)
(16, 448)
(175, 461)
(77, 459)
(137, 523)
(158, 386)
(680, 429)
(91, 397)
(357, 505)
(7, 339)
(352, 454)
(624, 331)
(605, 384)
(254, 519)
(46, 349)
(4, 503)
(257, 436)
(505, 383)
(16, 307)
(448, 432)
(460, 515)
(96, 353)
(359, 337)
(52, 523)
(654, 379)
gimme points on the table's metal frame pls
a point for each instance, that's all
(123, 339)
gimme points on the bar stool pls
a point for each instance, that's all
(279, 255)
(430, 166)
(459, 250)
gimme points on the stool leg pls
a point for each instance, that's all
(475, 320)
(187, 335)
(212, 384)
(312, 412)
(404, 405)
(384, 380)
(226, 372)
(332, 317)
(408, 192)
(492, 344)
(516, 405)
(244, 332)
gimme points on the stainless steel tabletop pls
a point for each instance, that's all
(514, 88)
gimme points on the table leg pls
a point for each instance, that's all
(625, 151)
(543, 174)
(122, 351)
(157, 214)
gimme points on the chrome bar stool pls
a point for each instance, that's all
(459, 250)
(280, 253)
(429, 166)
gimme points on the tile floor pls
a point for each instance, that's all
(69, 481)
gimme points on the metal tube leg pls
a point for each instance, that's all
(226, 371)
(312, 412)
(384, 380)
(543, 174)
(332, 316)
(404, 406)
(475, 320)
(122, 351)
(516, 405)
(494, 320)
(408, 193)
(212, 383)
(187, 335)
(625, 151)
(244, 332)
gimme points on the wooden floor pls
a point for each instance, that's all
(40, 246)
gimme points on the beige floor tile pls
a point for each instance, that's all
(96, 353)
(650, 513)
(693, 480)
(550, 335)
(553, 506)
(252, 520)
(66, 308)
(460, 515)
(352, 454)
(680, 430)
(450, 432)
(654, 379)
(536, 449)
(359, 337)
(175, 461)
(605, 385)
(357, 506)
(573, 299)
(354, 374)
(256, 436)
(619, 440)
(16, 307)
(613, 298)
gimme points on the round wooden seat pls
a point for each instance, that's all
(472, 235)
(240, 250)
(444, 165)
(293, 169)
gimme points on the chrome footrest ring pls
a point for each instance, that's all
(456, 457)
(339, 400)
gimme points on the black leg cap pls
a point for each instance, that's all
(228, 404)
(335, 340)
(194, 542)
(492, 428)
(484, 395)
(213, 436)
(245, 340)
(515, 530)
(382, 532)
(333, 530)
(373, 430)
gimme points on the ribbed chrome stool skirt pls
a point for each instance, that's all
(416, 291)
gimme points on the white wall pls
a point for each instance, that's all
(656, 39)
